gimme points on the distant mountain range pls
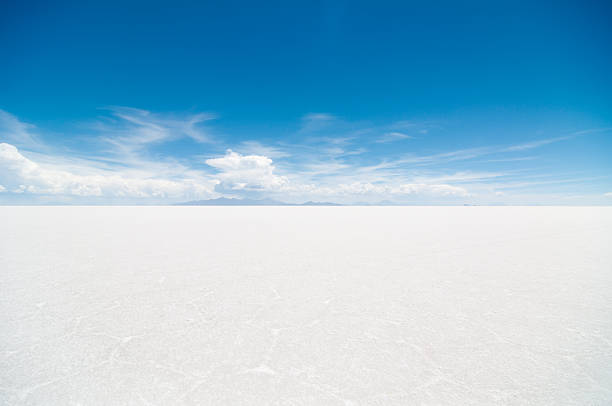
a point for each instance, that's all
(224, 201)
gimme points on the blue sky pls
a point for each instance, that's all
(438, 103)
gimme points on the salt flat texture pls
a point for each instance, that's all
(305, 306)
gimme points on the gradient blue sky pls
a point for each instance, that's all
(407, 102)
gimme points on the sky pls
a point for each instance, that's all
(342, 101)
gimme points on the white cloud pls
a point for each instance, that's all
(514, 159)
(2, 189)
(130, 169)
(460, 177)
(257, 148)
(318, 117)
(20, 174)
(23, 175)
(131, 130)
(538, 143)
(247, 172)
(472, 153)
(325, 168)
(437, 190)
(403, 189)
(315, 122)
(255, 172)
(609, 194)
(393, 136)
(593, 130)
(17, 132)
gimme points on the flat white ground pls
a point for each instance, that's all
(305, 305)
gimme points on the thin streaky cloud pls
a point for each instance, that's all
(18, 132)
(515, 185)
(393, 136)
(517, 159)
(592, 131)
(538, 143)
(257, 148)
(136, 128)
(462, 177)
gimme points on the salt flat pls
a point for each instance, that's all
(305, 305)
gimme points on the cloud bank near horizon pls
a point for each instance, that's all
(135, 156)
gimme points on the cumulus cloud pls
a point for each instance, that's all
(22, 175)
(247, 172)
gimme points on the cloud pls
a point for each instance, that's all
(393, 136)
(256, 172)
(438, 190)
(246, 172)
(314, 122)
(472, 153)
(609, 194)
(516, 159)
(17, 132)
(318, 117)
(256, 148)
(22, 175)
(236, 174)
(2, 189)
(461, 177)
(592, 130)
(360, 188)
(538, 143)
(458, 155)
(128, 154)
(324, 168)
(130, 130)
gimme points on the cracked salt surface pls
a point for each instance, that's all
(305, 305)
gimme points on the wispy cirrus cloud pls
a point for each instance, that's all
(258, 148)
(537, 143)
(313, 122)
(18, 132)
(461, 177)
(512, 159)
(393, 136)
(130, 130)
(473, 153)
